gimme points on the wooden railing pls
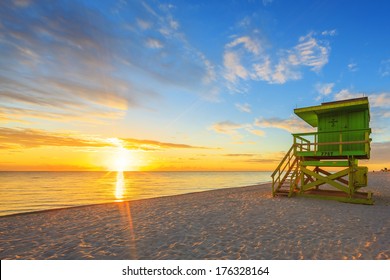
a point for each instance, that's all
(340, 142)
(288, 167)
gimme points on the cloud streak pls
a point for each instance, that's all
(62, 58)
(246, 108)
(152, 145)
(55, 61)
(293, 125)
(14, 138)
(235, 130)
(228, 127)
(21, 138)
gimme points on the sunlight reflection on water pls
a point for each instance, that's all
(119, 186)
(32, 191)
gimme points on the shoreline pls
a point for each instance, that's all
(233, 223)
(56, 190)
(128, 201)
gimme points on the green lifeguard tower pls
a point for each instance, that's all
(324, 164)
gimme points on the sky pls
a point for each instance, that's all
(182, 85)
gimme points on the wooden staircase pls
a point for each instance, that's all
(286, 177)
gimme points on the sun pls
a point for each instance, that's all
(123, 160)
(121, 163)
(119, 158)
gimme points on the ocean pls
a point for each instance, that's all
(22, 192)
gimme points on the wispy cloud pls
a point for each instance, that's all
(257, 132)
(332, 32)
(324, 89)
(346, 94)
(228, 127)
(237, 55)
(236, 130)
(246, 108)
(154, 43)
(352, 67)
(293, 124)
(245, 59)
(312, 52)
(250, 44)
(233, 67)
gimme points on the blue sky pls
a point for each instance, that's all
(219, 78)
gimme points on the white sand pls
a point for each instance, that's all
(239, 223)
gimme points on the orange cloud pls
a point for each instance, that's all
(15, 138)
(150, 145)
(12, 138)
(291, 125)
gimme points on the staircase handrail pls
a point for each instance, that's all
(282, 161)
(284, 164)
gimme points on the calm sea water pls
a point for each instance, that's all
(32, 191)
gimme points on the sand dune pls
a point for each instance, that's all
(239, 223)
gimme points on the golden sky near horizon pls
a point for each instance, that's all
(146, 85)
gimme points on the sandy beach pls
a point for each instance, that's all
(237, 223)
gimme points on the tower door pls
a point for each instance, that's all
(329, 128)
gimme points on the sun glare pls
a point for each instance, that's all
(120, 159)
(121, 163)
(123, 160)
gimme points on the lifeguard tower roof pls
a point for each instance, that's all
(310, 114)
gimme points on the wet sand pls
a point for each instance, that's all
(238, 223)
